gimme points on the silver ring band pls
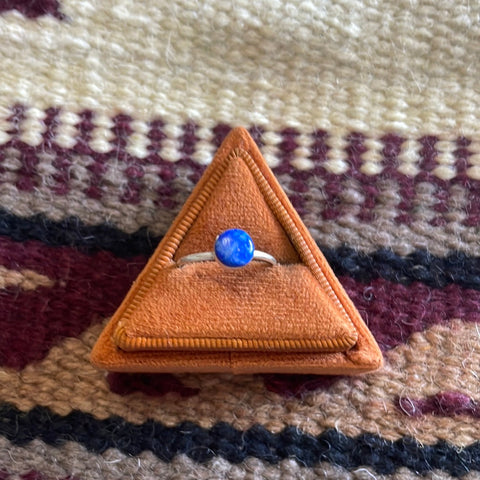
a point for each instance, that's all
(210, 256)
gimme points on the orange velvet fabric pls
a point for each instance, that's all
(292, 317)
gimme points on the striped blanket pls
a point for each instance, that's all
(367, 113)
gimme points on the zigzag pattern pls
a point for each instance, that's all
(222, 440)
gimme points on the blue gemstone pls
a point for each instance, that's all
(234, 248)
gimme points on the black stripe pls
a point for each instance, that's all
(222, 440)
(72, 232)
(419, 266)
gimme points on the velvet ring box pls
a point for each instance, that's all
(292, 317)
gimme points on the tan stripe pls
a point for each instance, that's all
(402, 239)
(388, 199)
(424, 201)
(308, 70)
(127, 217)
(381, 231)
(442, 358)
(74, 459)
(24, 279)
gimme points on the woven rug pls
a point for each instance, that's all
(368, 114)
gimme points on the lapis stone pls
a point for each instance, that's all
(234, 248)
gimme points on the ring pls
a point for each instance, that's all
(233, 248)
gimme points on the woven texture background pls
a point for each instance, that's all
(368, 113)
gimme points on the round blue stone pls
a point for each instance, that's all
(234, 248)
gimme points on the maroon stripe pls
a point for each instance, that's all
(291, 385)
(167, 171)
(33, 8)
(332, 186)
(153, 385)
(16, 118)
(297, 185)
(442, 404)
(368, 188)
(87, 289)
(406, 187)
(156, 135)
(135, 169)
(220, 132)
(429, 155)
(62, 162)
(32, 475)
(85, 127)
(393, 311)
(187, 143)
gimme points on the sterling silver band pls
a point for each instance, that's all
(210, 256)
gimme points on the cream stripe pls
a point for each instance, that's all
(5, 124)
(336, 155)
(301, 160)
(73, 458)
(446, 159)
(67, 133)
(270, 148)
(24, 279)
(32, 127)
(443, 358)
(170, 150)
(138, 141)
(204, 148)
(298, 65)
(474, 160)
(409, 157)
(102, 134)
(372, 158)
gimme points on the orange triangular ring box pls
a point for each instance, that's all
(290, 317)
